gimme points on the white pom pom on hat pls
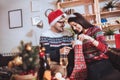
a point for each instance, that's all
(54, 16)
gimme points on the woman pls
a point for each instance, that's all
(94, 48)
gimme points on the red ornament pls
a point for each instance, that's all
(41, 54)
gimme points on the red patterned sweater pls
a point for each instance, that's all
(90, 51)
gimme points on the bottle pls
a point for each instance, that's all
(44, 66)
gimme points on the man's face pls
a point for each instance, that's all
(59, 25)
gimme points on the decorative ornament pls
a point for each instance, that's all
(28, 47)
(15, 62)
(58, 76)
(48, 11)
(27, 61)
(40, 24)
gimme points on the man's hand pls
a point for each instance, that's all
(65, 50)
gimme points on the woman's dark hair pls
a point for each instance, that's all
(78, 18)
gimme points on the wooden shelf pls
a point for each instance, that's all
(112, 27)
(106, 14)
(74, 3)
(102, 0)
(70, 4)
(110, 14)
(89, 15)
(110, 41)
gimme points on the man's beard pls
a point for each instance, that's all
(59, 29)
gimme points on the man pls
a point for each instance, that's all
(57, 41)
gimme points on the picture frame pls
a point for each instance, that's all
(15, 18)
(35, 6)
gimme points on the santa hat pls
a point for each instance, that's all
(54, 16)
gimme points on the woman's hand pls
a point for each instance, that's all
(83, 37)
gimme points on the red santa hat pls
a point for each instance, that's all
(54, 16)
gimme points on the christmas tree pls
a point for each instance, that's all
(28, 61)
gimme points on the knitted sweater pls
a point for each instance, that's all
(54, 41)
(90, 51)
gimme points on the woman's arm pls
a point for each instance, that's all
(98, 41)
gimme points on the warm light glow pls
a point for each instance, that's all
(17, 60)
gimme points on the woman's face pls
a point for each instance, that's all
(77, 28)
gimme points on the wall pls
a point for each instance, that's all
(10, 38)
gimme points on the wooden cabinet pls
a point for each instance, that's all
(90, 15)
(66, 4)
(113, 17)
(96, 14)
